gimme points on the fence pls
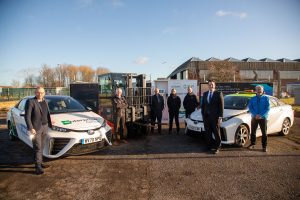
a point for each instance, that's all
(12, 94)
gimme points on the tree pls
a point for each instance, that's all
(86, 73)
(47, 76)
(100, 71)
(223, 72)
(15, 83)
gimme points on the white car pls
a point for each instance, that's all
(236, 123)
(75, 129)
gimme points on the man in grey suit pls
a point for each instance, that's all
(212, 112)
(37, 118)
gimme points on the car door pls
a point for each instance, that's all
(18, 115)
(274, 119)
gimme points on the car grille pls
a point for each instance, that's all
(58, 144)
(223, 134)
(78, 149)
(109, 135)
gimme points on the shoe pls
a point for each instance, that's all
(116, 143)
(45, 166)
(251, 146)
(39, 170)
(124, 141)
(216, 151)
(265, 149)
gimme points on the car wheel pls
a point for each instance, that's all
(12, 132)
(286, 125)
(241, 136)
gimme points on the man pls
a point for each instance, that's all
(174, 104)
(120, 104)
(212, 112)
(190, 102)
(259, 107)
(37, 118)
(157, 106)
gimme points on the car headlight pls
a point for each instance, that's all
(56, 128)
(103, 124)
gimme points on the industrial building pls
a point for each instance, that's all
(280, 71)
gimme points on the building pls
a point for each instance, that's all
(280, 72)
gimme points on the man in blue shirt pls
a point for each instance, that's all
(259, 107)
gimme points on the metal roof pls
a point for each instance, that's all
(268, 60)
(213, 59)
(231, 59)
(250, 60)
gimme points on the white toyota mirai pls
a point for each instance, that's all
(75, 128)
(236, 123)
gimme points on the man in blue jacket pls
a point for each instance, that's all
(259, 107)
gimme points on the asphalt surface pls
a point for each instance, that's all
(156, 167)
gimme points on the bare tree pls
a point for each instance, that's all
(223, 72)
(15, 83)
(47, 76)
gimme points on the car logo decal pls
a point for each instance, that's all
(66, 122)
(90, 132)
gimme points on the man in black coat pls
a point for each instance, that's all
(157, 106)
(190, 102)
(37, 118)
(174, 104)
(212, 112)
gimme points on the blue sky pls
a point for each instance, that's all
(152, 37)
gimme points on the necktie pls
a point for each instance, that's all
(210, 96)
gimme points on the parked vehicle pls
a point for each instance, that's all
(75, 128)
(236, 123)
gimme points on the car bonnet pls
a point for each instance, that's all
(77, 120)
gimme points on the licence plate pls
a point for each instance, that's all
(91, 140)
(195, 128)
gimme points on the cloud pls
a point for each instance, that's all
(169, 30)
(222, 13)
(85, 3)
(117, 3)
(141, 60)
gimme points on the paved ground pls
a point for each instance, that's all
(156, 167)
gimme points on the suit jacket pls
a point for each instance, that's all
(215, 107)
(34, 113)
(120, 105)
(155, 105)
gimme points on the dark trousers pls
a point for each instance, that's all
(263, 127)
(38, 143)
(154, 116)
(171, 117)
(119, 127)
(212, 126)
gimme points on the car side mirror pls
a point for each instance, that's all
(88, 108)
(22, 114)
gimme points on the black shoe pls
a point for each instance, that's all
(39, 170)
(251, 146)
(44, 166)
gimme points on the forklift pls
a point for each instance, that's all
(99, 97)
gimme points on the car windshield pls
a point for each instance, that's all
(64, 104)
(236, 102)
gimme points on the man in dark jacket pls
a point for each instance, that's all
(119, 104)
(190, 102)
(212, 108)
(37, 118)
(157, 106)
(174, 104)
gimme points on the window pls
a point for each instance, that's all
(21, 105)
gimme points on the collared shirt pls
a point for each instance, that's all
(209, 96)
